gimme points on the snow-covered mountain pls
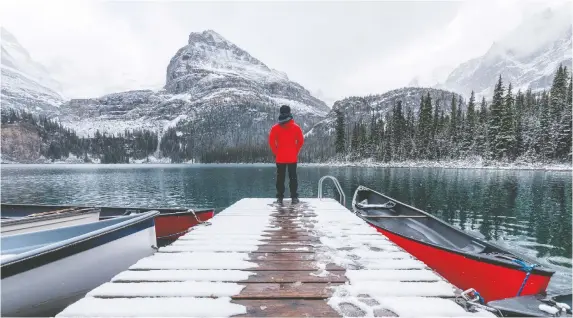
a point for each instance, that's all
(363, 109)
(26, 84)
(527, 57)
(216, 95)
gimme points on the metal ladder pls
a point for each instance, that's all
(338, 188)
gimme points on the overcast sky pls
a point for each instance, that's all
(334, 49)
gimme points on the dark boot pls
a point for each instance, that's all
(279, 201)
(295, 201)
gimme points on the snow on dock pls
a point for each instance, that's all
(258, 259)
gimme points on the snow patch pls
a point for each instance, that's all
(153, 307)
(168, 289)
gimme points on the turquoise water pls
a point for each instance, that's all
(525, 211)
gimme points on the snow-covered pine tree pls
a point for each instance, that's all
(543, 133)
(453, 126)
(507, 132)
(339, 132)
(481, 144)
(470, 126)
(424, 129)
(563, 151)
(496, 144)
(518, 123)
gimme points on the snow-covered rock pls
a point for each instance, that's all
(26, 85)
(527, 57)
(227, 95)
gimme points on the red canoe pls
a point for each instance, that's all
(170, 224)
(465, 261)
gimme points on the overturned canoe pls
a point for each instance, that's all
(463, 260)
(45, 271)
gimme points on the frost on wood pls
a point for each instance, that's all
(205, 275)
(154, 307)
(382, 277)
(167, 289)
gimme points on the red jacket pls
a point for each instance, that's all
(285, 141)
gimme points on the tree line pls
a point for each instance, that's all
(524, 126)
(59, 142)
(529, 126)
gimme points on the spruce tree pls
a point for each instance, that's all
(398, 131)
(497, 145)
(543, 145)
(339, 131)
(563, 151)
(518, 123)
(425, 123)
(507, 132)
(470, 125)
(482, 129)
(453, 121)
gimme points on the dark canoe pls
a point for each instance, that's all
(170, 224)
(465, 261)
(529, 306)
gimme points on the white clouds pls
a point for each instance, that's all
(431, 58)
(337, 48)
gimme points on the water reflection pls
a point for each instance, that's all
(525, 211)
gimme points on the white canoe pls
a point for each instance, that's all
(43, 272)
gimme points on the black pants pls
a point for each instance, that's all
(293, 182)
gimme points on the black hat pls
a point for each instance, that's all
(285, 109)
(285, 114)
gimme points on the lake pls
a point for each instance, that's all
(524, 210)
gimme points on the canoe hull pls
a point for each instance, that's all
(490, 280)
(48, 289)
(462, 259)
(171, 226)
(19, 226)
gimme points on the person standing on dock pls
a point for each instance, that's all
(286, 140)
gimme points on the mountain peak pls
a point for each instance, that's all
(209, 57)
(207, 36)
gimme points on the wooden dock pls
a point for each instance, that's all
(255, 259)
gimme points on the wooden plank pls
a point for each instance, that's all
(285, 248)
(391, 216)
(286, 308)
(286, 290)
(286, 231)
(302, 239)
(286, 256)
(253, 276)
(278, 244)
(295, 276)
(290, 266)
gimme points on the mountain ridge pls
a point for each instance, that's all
(26, 84)
(527, 57)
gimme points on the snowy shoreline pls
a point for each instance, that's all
(452, 164)
(447, 165)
